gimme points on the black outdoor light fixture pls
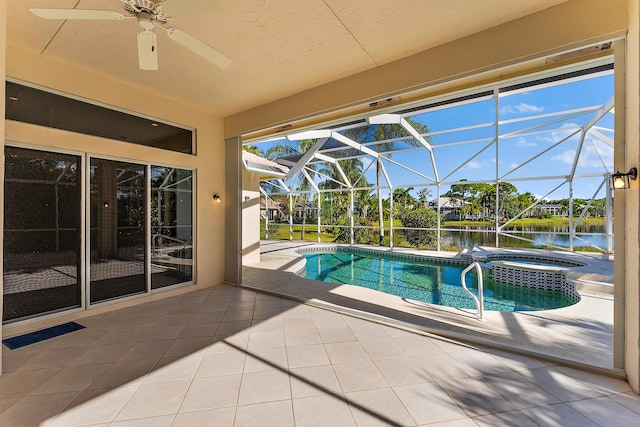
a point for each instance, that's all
(217, 198)
(622, 180)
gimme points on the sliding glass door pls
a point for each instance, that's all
(81, 230)
(117, 233)
(171, 226)
(42, 233)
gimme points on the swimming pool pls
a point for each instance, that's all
(426, 281)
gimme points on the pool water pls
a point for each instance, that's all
(427, 281)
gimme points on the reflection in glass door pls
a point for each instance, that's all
(117, 238)
(171, 226)
(42, 223)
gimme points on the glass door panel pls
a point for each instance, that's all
(42, 226)
(171, 226)
(117, 237)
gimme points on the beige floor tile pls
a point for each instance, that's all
(600, 383)
(514, 418)
(38, 410)
(292, 323)
(270, 414)
(378, 407)
(266, 340)
(231, 328)
(183, 308)
(355, 376)
(193, 330)
(322, 411)
(175, 368)
(238, 341)
(314, 381)
(476, 397)
(629, 400)
(479, 362)
(516, 362)
(55, 357)
(336, 334)
(294, 337)
(82, 338)
(212, 392)
(222, 417)
(267, 386)
(207, 317)
(416, 345)
(307, 355)
(601, 409)
(442, 367)
(560, 385)
(463, 422)
(266, 360)
(232, 315)
(160, 421)
(7, 403)
(365, 330)
(174, 320)
(265, 313)
(402, 371)
(342, 352)
(521, 392)
(124, 373)
(151, 400)
(149, 350)
(379, 348)
(97, 354)
(428, 403)
(221, 363)
(213, 307)
(186, 346)
(159, 333)
(124, 336)
(71, 378)
(559, 415)
(327, 319)
(94, 407)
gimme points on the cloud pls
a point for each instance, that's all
(567, 157)
(521, 108)
(565, 130)
(589, 158)
(474, 165)
(522, 142)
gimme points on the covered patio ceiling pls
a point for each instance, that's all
(277, 48)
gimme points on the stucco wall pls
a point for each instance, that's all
(209, 218)
(250, 218)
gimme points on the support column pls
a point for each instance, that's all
(3, 55)
(232, 210)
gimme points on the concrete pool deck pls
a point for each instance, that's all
(580, 335)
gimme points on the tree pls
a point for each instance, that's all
(388, 135)
(252, 149)
(423, 196)
(304, 186)
(420, 218)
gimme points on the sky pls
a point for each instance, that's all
(556, 112)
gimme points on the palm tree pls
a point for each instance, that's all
(280, 150)
(253, 150)
(389, 134)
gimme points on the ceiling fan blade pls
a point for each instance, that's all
(182, 8)
(147, 50)
(77, 14)
(199, 48)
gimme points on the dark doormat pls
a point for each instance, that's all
(41, 335)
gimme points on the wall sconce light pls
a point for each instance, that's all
(621, 180)
(217, 198)
(105, 205)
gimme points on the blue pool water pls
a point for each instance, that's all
(426, 281)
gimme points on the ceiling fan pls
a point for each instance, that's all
(150, 15)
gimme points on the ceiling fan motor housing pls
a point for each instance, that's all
(147, 12)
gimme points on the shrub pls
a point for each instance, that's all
(420, 218)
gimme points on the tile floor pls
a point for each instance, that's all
(226, 356)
